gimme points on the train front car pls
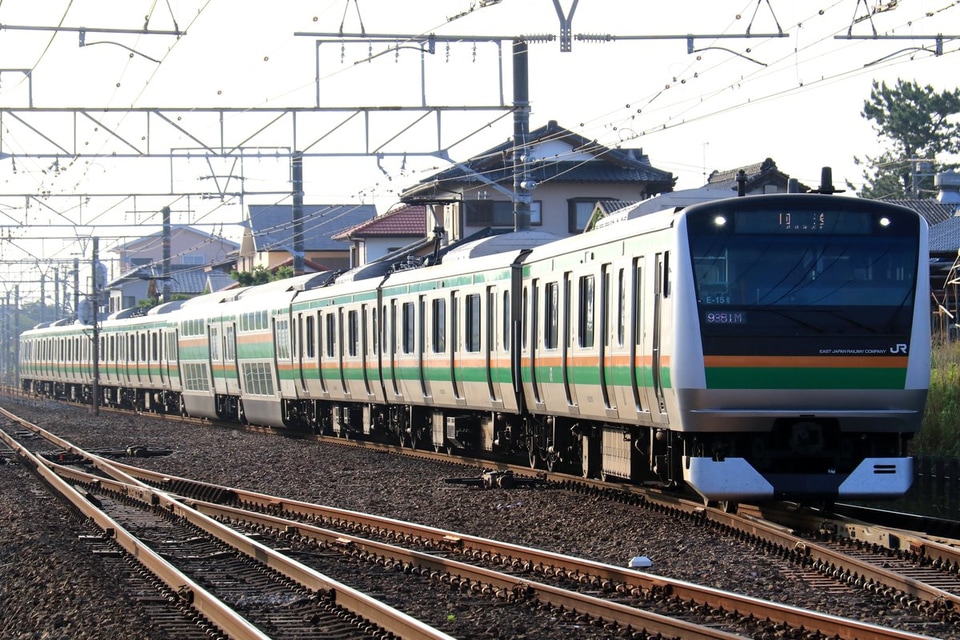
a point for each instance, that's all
(802, 348)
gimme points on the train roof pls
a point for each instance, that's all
(507, 242)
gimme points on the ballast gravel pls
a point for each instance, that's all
(51, 587)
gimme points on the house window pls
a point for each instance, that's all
(193, 258)
(496, 213)
(579, 211)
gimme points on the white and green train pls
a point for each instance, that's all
(752, 348)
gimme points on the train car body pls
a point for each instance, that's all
(751, 348)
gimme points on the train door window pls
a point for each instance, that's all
(353, 333)
(311, 341)
(472, 317)
(113, 349)
(605, 304)
(407, 327)
(214, 344)
(551, 304)
(638, 302)
(143, 347)
(282, 329)
(375, 333)
(585, 307)
(230, 345)
(621, 303)
(524, 315)
(439, 334)
(666, 282)
(132, 348)
(155, 347)
(507, 333)
(330, 328)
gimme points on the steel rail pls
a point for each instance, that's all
(388, 618)
(831, 626)
(211, 607)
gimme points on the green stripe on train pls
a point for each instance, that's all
(806, 378)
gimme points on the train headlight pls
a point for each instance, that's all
(719, 221)
(884, 221)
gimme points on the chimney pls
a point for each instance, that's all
(949, 184)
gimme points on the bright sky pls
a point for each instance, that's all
(796, 99)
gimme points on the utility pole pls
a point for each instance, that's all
(296, 169)
(521, 133)
(95, 298)
(165, 270)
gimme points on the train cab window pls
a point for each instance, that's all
(407, 327)
(551, 304)
(353, 334)
(585, 307)
(472, 317)
(439, 336)
(311, 341)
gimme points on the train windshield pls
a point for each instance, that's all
(802, 269)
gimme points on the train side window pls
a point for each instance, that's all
(551, 304)
(407, 327)
(229, 349)
(585, 330)
(472, 317)
(310, 338)
(283, 339)
(439, 325)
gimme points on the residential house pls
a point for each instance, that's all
(268, 239)
(570, 173)
(394, 230)
(760, 178)
(188, 246)
(196, 259)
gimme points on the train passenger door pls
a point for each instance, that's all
(491, 362)
(566, 338)
(661, 285)
(455, 345)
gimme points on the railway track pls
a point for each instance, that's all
(310, 529)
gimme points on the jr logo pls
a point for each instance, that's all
(899, 348)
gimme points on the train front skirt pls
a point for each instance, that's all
(735, 479)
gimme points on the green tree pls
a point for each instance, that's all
(261, 275)
(916, 123)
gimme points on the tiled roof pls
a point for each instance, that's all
(272, 225)
(184, 278)
(932, 210)
(945, 236)
(496, 165)
(402, 222)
